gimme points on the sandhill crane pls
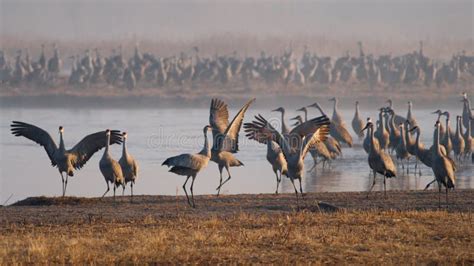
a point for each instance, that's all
(381, 134)
(129, 166)
(446, 140)
(394, 132)
(379, 161)
(190, 165)
(336, 117)
(468, 141)
(110, 168)
(284, 128)
(357, 123)
(295, 146)
(422, 154)
(458, 140)
(398, 119)
(65, 160)
(332, 145)
(367, 140)
(401, 151)
(225, 136)
(338, 131)
(276, 158)
(410, 116)
(443, 168)
(466, 110)
(441, 127)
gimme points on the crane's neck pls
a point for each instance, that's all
(61, 142)
(372, 139)
(436, 142)
(284, 128)
(409, 111)
(446, 135)
(124, 147)
(417, 138)
(321, 110)
(407, 134)
(107, 144)
(404, 134)
(357, 109)
(382, 123)
(305, 114)
(392, 121)
(458, 131)
(206, 149)
(334, 108)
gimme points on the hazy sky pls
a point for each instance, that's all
(103, 19)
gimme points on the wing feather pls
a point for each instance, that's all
(37, 135)
(90, 144)
(231, 139)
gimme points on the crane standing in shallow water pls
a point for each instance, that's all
(357, 123)
(379, 161)
(190, 165)
(110, 168)
(65, 160)
(129, 166)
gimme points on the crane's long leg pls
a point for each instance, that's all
(228, 178)
(439, 195)
(296, 192)
(373, 184)
(220, 180)
(123, 190)
(62, 179)
(278, 181)
(185, 192)
(192, 193)
(65, 185)
(301, 188)
(408, 165)
(108, 188)
(446, 182)
(384, 186)
(131, 188)
(429, 184)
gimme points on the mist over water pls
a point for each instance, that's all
(184, 20)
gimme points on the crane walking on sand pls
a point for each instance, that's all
(65, 160)
(110, 168)
(295, 146)
(129, 166)
(190, 165)
(225, 137)
(379, 161)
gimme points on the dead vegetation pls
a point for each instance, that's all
(405, 228)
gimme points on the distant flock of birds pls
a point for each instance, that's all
(287, 148)
(149, 70)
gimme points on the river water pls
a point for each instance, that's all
(155, 134)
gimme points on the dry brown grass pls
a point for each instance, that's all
(362, 237)
(240, 229)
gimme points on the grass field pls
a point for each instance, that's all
(407, 228)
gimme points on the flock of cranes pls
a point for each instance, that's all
(391, 136)
(150, 71)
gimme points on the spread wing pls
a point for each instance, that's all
(218, 117)
(37, 135)
(317, 129)
(90, 144)
(231, 139)
(261, 130)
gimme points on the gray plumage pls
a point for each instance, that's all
(225, 136)
(65, 160)
(190, 165)
(110, 168)
(458, 140)
(129, 166)
(381, 133)
(338, 131)
(357, 123)
(402, 151)
(379, 161)
(295, 146)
